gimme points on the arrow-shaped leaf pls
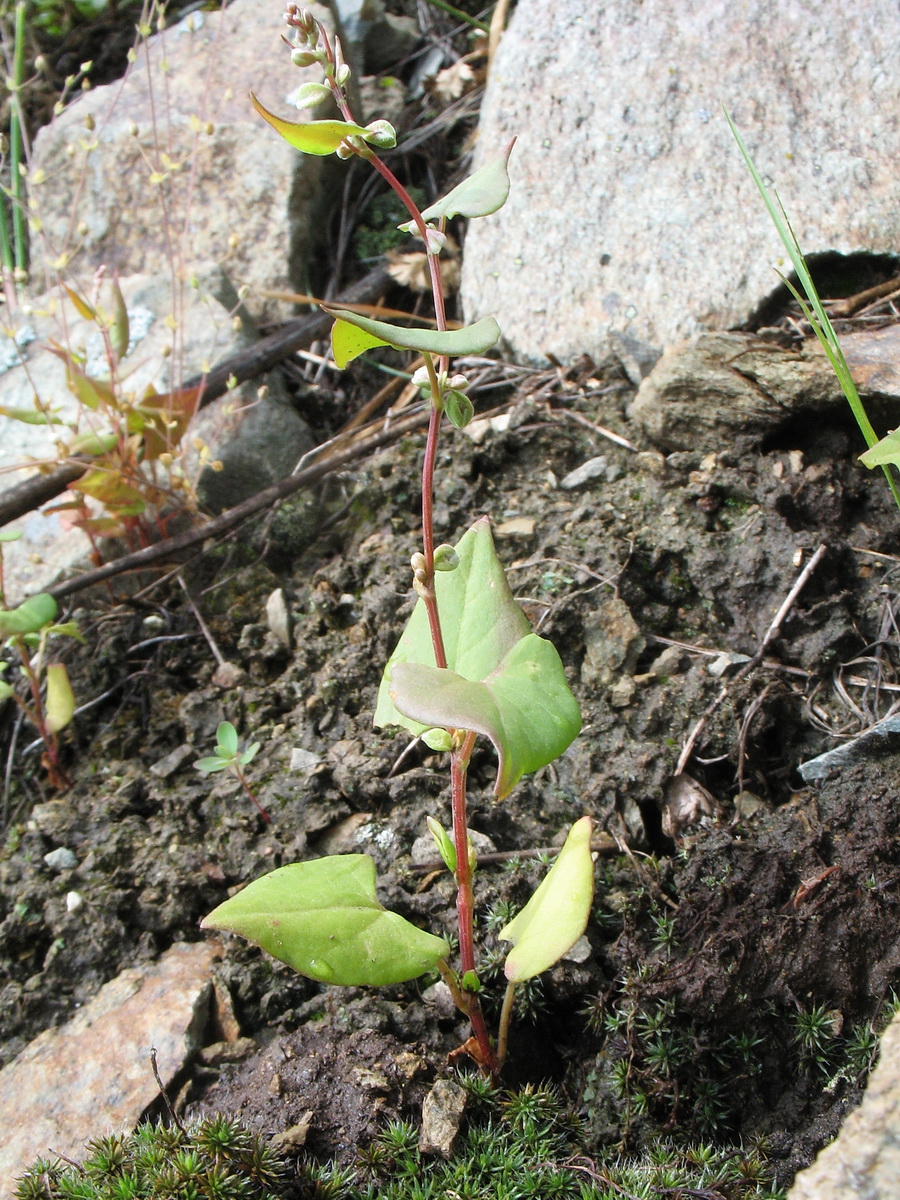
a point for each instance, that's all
(312, 137)
(323, 919)
(524, 706)
(557, 914)
(346, 344)
(483, 193)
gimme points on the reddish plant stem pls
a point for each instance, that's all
(465, 901)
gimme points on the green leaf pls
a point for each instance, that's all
(444, 843)
(226, 740)
(323, 919)
(557, 914)
(312, 137)
(502, 680)
(213, 763)
(10, 535)
(30, 416)
(5, 690)
(249, 754)
(59, 707)
(458, 407)
(471, 339)
(29, 617)
(93, 443)
(524, 706)
(884, 452)
(119, 329)
(483, 193)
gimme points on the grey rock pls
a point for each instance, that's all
(849, 753)
(592, 469)
(863, 1163)
(61, 859)
(171, 763)
(93, 1074)
(613, 642)
(246, 198)
(442, 1114)
(703, 394)
(631, 209)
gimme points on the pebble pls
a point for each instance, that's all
(442, 1113)
(592, 469)
(61, 859)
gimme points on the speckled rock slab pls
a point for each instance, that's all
(631, 209)
(93, 1074)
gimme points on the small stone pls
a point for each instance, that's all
(304, 760)
(217, 1053)
(592, 469)
(440, 999)
(667, 663)
(61, 859)
(442, 1113)
(278, 617)
(580, 952)
(228, 675)
(517, 527)
(293, 1138)
(172, 762)
(74, 901)
(622, 691)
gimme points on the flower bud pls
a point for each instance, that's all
(435, 241)
(342, 74)
(308, 95)
(421, 378)
(381, 134)
(459, 382)
(304, 58)
(417, 562)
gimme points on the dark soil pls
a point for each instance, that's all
(709, 949)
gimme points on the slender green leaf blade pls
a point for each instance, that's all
(483, 193)
(29, 617)
(59, 707)
(471, 339)
(525, 706)
(557, 914)
(323, 919)
(311, 137)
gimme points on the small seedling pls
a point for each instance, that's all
(467, 663)
(229, 757)
(27, 630)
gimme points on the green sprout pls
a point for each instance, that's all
(50, 706)
(229, 757)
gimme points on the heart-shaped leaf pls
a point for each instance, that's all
(312, 137)
(348, 344)
(323, 919)
(483, 193)
(502, 680)
(557, 914)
